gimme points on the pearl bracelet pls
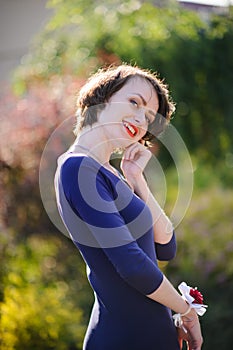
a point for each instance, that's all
(177, 317)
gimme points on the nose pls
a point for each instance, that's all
(140, 116)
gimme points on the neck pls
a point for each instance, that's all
(91, 142)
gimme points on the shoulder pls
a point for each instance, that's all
(70, 161)
(78, 165)
(84, 170)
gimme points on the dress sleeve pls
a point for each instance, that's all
(91, 198)
(166, 252)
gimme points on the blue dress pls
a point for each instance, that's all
(112, 228)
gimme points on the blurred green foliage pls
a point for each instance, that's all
(45, 298)
(204, 259)
(194, 56)
(32, 314)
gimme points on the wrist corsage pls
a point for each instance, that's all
(194, 299)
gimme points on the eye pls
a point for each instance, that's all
(133, 102)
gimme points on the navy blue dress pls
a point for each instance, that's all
(112, 228)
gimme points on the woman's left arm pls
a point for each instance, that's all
(133, 163)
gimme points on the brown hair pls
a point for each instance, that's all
(103, 84)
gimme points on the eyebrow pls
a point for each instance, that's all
(141, 97)
(144, 103)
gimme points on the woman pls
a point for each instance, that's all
(115, 221)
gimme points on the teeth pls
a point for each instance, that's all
(128, 126)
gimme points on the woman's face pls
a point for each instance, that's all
(127, 115)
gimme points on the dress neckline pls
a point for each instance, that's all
(89, 154)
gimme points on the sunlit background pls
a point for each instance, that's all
(48, 49)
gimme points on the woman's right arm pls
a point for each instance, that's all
(167, 295)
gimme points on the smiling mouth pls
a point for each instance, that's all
(131, 129)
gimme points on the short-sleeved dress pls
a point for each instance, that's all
(112, 228)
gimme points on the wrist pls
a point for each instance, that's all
(195, 306)
(139, 177)
(139, 183)
(189, 308)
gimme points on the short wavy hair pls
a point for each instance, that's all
(107, 81)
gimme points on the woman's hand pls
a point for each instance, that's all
(192, 336)
(134, 161)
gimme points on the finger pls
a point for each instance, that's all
(192, 345)
(131, 151)
(127, 152)
(135, 152)
(142, 151)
